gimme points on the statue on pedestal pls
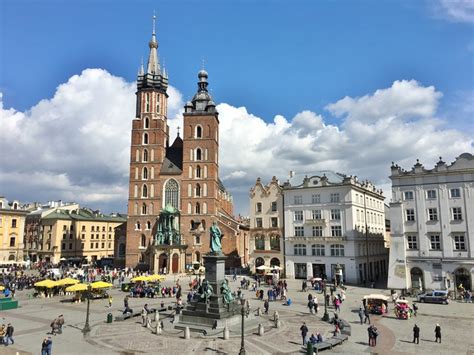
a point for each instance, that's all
(226, 292)
(205, 290)
(216, 237)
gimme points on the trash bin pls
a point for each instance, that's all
(109, 318)
(309, 348)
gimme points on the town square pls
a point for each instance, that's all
(236, 177)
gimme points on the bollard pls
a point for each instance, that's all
(261, 330)
(226, 333)
(309, 348)
(187, 333)
(259, 312)
(158, 328)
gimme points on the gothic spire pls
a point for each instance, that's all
(153, 61)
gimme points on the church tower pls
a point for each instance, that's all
(148, 150)
(200, 202)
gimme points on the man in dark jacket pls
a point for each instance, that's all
(437, 333)
(416, 334)
(304, 332)
(9, 335)
(367, 315)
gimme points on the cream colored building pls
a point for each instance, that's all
(266, 225)
(12, 226)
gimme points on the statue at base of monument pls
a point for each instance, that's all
(205, 290)
(216, 237)
(226, 293)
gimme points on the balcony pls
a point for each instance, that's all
(315, 222)
(324, 238)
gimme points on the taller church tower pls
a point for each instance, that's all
(150, 134)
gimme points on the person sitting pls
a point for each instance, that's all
(319, 337)
(313, 340)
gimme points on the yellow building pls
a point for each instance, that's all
(12, 226)
(65, 234)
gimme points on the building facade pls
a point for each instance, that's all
(12, 227)
(432, 221)
(266, 225)
(334, 219)
(175, 193)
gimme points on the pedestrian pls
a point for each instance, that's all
(145, 315)
(361, 314)
(370, 334)
(367, 315)
(9, 335)
(54, 326)
(304, 332)
(60, 324)
(266, 305)
(416, 334)
(46, 346)
(415, 309)
(437, 333)
(337, 304)
(111, 299)
(375, 334)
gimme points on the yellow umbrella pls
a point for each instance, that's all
(46, 283)
(67, 281)
(77, 288)
(2, 288)
(140, 278)
(155, 277)
(100, 284)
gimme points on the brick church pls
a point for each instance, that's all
(175, 193)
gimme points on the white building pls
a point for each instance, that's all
(266, 225)
(332, 218)
(432, 221)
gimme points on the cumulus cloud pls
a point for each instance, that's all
(455, 10)
(76, 145)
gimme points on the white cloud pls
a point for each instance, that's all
(455, 10)
(75, 146)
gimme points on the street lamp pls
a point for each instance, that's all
(242, 339)
(326, 314)
(87, 328)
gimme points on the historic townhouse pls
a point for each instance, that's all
(334, 219)
(432, 221)
(266, 225)
(12, 226)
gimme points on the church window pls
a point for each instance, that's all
(172, 193)
(192, 225)
(147, 102)
(143, 241)
(198, 132)
(145, 138)
(198, 154)
(198, 190)
(198, 171)
(144, 191)
(157, 103)
(137, 226)
(145, 173)
(135, 191)
(146, 123)
(144, 208)
(148, 225)
(198, 208)
(204, 207)
(145, 155)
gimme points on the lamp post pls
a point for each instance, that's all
(242, 338)
(326, 314)
(87, 328)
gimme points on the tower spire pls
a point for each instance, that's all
(153, 61)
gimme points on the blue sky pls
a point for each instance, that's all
(302, 85)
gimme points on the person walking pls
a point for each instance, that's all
(266, 305)
(415, 309)
(60, 324)
(9, 335)
(416, 334)
(366, 315)
(145, 312)
(437, 333)
(370, 334)
(375, 334)
(46, 346)
(304, 332)
(361, 315)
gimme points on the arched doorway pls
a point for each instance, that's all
(417, 281)
(462, 277)
(163, 264)
(274, 262)
(259, 262)
(175, 264)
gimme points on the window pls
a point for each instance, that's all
(298, 216)
(316, 214)
(299, 231)
(300, 249)
(274, 222)
(198, 131)
(147, 102)
(102, 245)
(298, 200)
(137, 226)
(317, 231)
(336, 231)
(337, 250)
(435, 242)
(198, 190)
(431, 194)
(83, 236)
(410, 214)
(146, 123)
(14, 223)
(83, 229)
(157, 103)
(455, 193)
(144, 191)
(457, 213)
(317, 250)
(145, 155)
(408, 195)
(432, 214)
(145, 173)
(412, 242)
(274, 206)
(145, 138)
(258, 223)
(144, 208)
(336, 215)
(197, 239)
(260, 242)
(172, 193)
(198, 171)
(70, 246)
(334, 197)
(316, 198)
(459, 242)
(258, 207)
(198, 154)
(274, 242)
(82, 245)
(63, 246)
(92, 245)
(143, 240)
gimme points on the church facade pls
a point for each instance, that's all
(175, 193)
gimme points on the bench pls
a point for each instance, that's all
(196, 330)
(125, 316)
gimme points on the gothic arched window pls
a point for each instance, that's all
(147, 102)
(198, 154)
(146, 123)
(198, 132)
(144, 208)
(144, 191)
(198, 208)
(145, 173)
(198, 190)
(198, 171)
(145, 155)
(172, 193)
(145, 138)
